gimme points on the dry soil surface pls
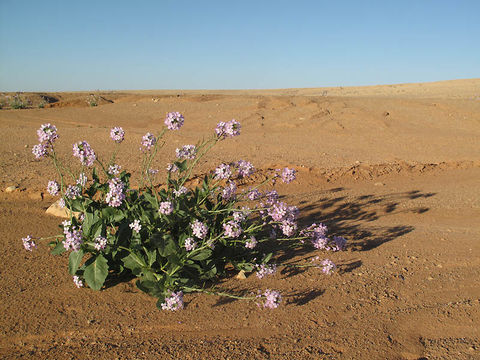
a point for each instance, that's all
(394, 169)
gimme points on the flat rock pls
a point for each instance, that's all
(56, 210)
(11, 189)
(241, 275)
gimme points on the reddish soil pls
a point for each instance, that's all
(396, 170)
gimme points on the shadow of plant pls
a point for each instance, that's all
(350, 217)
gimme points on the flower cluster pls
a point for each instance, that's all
(100, 243)
(114, 169)
(328, 266)
(115, 195)
(171, 168)
(82, 179)
(73, 236)
(264, 270)
(232, 229)
(228, 129)
(174, 120)
(223, 171)
(319, 239)
(251, 243)
(165, 208)
(53, 188)
(84, 152)
(244, 168)
(190, 244)
(174, 301)
(77, 281)
(181, 191)
(135, 226)
(47, 133)
(117, 134)
(272, 299)
(288, 175)
(186, 152)
(72, 192)
(28, 243)
(199, 229)
(284, 215)
(229, 191)
(148, 141)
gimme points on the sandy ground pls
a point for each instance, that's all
(395, 169)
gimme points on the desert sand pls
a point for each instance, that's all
(395, 169)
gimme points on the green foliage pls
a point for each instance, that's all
(171, 237)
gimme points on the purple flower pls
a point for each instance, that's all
(115, 195)
(328, 266)
(272, 197)
(232, 229)
(181, 191)
(174, 120)
(77, 281)
(114, 169)
(135, 226)
(186, 152)
(72, 192)
(82, 179)
(172, 168)
(244, 168)
(28, 243)
(254, 194)
(84, 152)
(251, 243)
(288, 175)
(173, 302)
(278, 211)
(40, 150)
(199, 229)
(148, 141)
(153, 171)
(61, 203)
(223, 171)
(340, 243)
(165, 208)
(288, 227)
(228, 129)
(100, 243)
(240, 216)
(264, 270)
(229, 191)
(190, 244)
(272, 299)
(318, 235)
(53, 188)
(47, 133)
(320, 242)
(73, 238)
(117, 134)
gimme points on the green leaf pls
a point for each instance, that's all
(165, 244)
(135, 263)
(152, 257)
(74, 261)
(267, 258)
(96, 272)
(58, 249)
(202, 255)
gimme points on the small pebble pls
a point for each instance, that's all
(11, 189)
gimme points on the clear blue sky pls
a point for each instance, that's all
(48, 45)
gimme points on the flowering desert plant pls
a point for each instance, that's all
(174, 238)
